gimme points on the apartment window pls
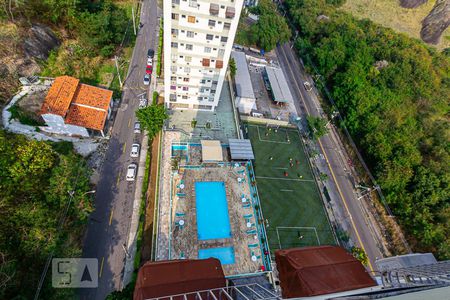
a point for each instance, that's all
(191, 19)
(173, 97)
(219, 64)
(186, 79)
(175, 1)
(182, 31)
(223, 39)
(209, 80)
(175, 16)
(214, 9)
(174, 44)
(174, 57)
(205, 62)
(221, 52)
(188, 59)
(183, 16)
(207, 49)
(173, 87)
(230, 12)
(193, 3)
(203, 81)
(187, 69)
(189, 47)
(173, 78)
(222, 6)
(214, 49)
(199, 98)
(211, 23)
(215, 82)
(184, 97)
(202, 90)
(173, 68)
(181, 56)
(190, 34)
(226, 25)
(174, 31)
(209, 37)
(185, 88)
(213, 91)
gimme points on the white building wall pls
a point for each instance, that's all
(193, 85)
(55, 124)
(245, 105)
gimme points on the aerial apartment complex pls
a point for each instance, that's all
(198, 37)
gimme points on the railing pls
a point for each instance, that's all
(251, 291)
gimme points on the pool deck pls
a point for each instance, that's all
(184, 242)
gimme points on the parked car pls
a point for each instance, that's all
(135, 148)
(150, 61)
(150, 53)
(142, 103)
(307, 86)
(149, 69)
(146, 79)
(137, 127)
(131, 172)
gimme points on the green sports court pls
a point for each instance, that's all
(290, 200)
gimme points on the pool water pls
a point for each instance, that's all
(213, 221)
(224, 254)
(179, 147)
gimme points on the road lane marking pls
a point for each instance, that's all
(101, 267)
(129, 123)
(124, 147)
(118, 178)
(110, 217)
(328, 163)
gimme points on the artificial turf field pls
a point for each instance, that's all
(290, 201)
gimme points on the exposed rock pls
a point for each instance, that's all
(381, 64)
(322, 18)
(436, 22)
(40, 41)
(411, 3)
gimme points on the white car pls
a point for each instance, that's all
(135, 150)
(137, 127)
(131, 172)
(142, 103)
(149, 61)
(307, 86)
(146, 79)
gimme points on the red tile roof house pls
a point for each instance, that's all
(75, 109)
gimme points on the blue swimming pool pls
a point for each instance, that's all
(224, 254)
(213, 221)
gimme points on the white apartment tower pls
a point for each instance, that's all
(198, 37)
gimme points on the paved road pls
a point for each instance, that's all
(109, 224)
(340, 182)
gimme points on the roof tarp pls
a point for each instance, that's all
(241, 149)
(244, 88)
(279, 85)
(211, 151)
(165, 278)
(313, 271)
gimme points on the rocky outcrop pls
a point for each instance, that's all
(411, 3)
(40, 41)
(436, 22)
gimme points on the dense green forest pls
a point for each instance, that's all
(393, 92)
(36, 179)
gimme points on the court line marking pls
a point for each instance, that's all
(294, 227)
(287, 179)
(269, 141)
(286, 191)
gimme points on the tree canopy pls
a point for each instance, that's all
(152, 118)
(35, 181)
(393, 93)
(317, 127)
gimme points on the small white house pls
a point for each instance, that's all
(75, 109)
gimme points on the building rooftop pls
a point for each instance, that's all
(241, 149)
(60, 96)
(79, 104)
(279, 85)
(87, 117)
(211, 151)
(244, 87)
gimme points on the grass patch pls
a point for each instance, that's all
(160, 49)
(390, 14)
(24, 117)
(155, 98)
(289, 196)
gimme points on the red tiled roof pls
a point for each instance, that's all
(92, 96)
(86, 117)
(81, 104)
(60, 96)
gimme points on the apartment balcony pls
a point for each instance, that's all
(214, 9)
(230, 12)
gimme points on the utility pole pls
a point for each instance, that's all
(118, 71)
(134, 21)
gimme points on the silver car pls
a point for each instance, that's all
(135, 150)
(131, 172)
(146, 79)
(137, 127)
(142, 103)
